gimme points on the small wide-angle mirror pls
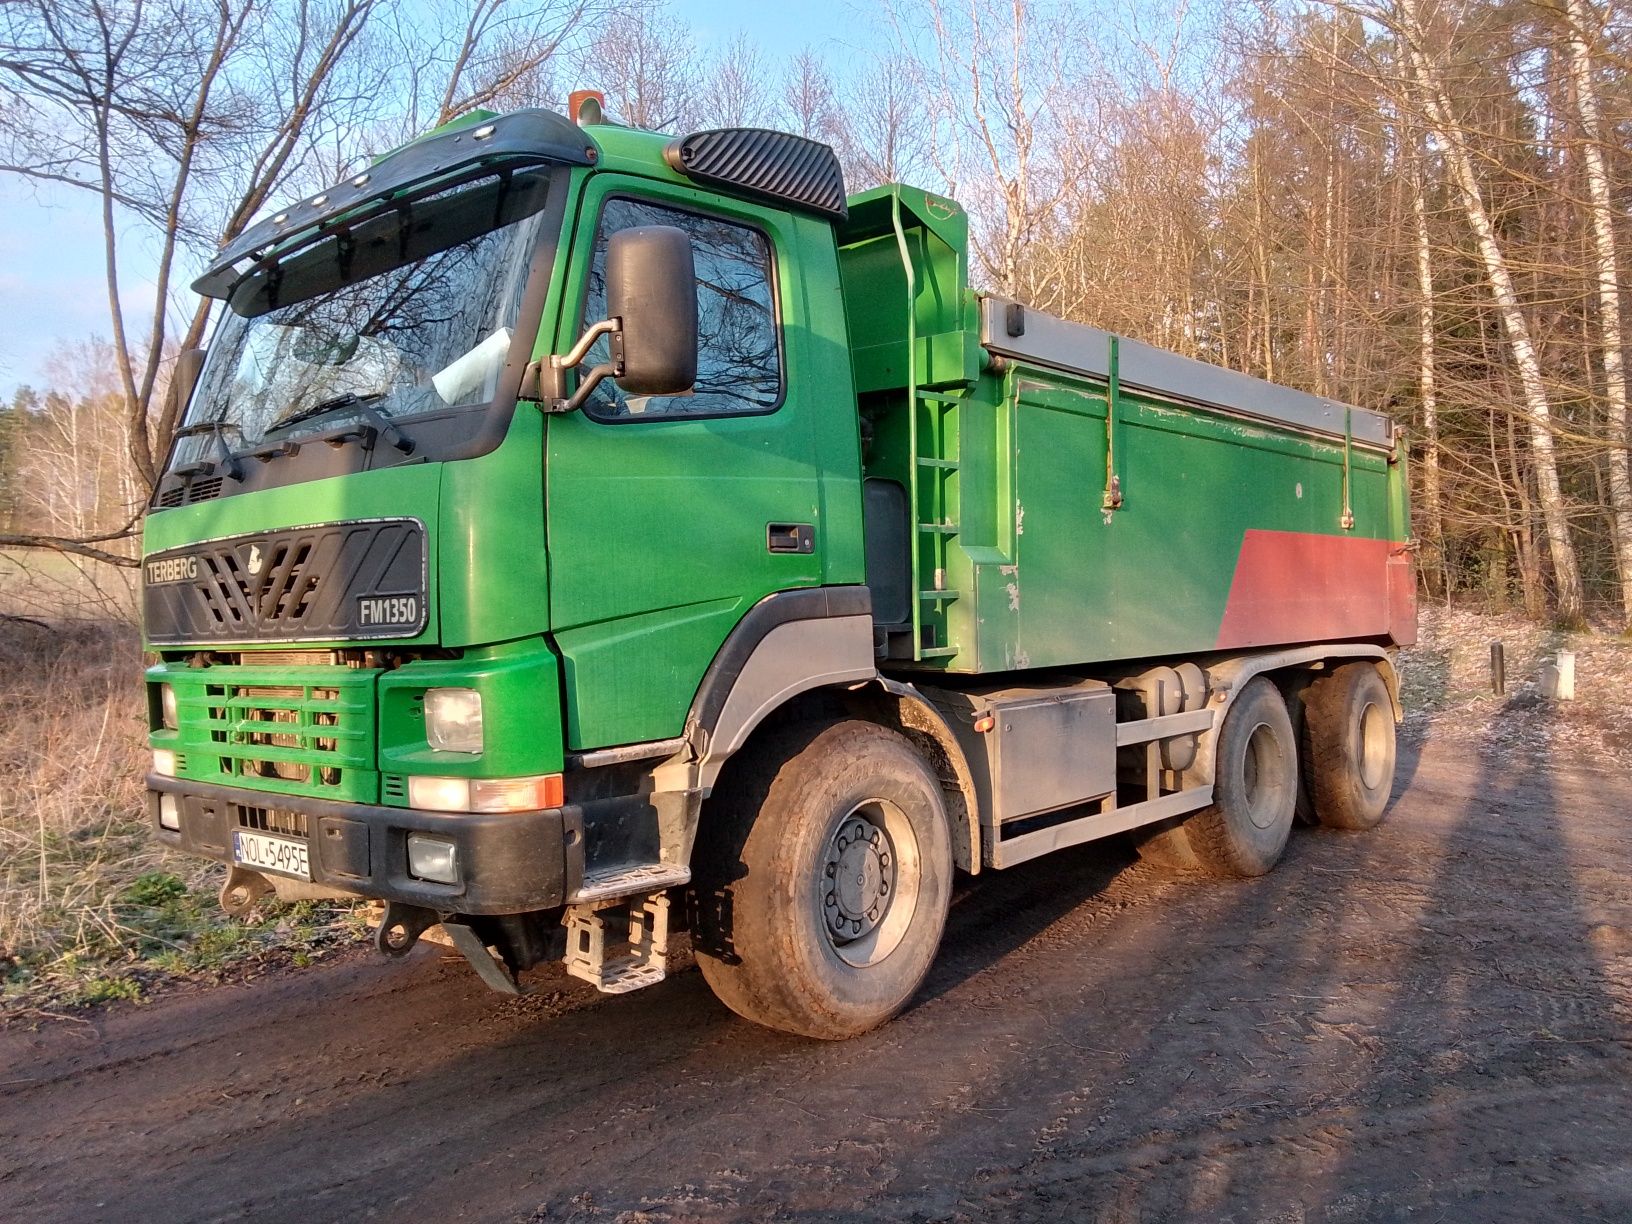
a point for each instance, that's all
(651, 286)
(184, 377)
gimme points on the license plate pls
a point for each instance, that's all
(264, 853)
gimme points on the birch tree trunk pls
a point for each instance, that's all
(1452, 141)
(1607, 274)
(1427, 378)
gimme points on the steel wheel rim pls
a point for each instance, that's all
(1260, 785)
(867, 882)
(1374, 729)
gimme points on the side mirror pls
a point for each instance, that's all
(183, 379)
(651, 287)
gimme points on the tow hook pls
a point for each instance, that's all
(242, 889)
(401, 926)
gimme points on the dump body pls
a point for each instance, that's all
(1081, 499)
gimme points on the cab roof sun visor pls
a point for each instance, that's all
(433, 164)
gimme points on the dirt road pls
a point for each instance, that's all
(1432, 1021)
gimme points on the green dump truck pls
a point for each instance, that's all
(578, 534)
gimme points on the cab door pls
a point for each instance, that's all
(669, 517)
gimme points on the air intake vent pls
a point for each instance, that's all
(272, 820)
(207, 489)
(204, 490)
(775, 165)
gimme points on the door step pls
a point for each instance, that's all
(620, 945)
(627, 881)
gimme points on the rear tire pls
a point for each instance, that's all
(1349, 746)
(823, 876)
(1255, 788)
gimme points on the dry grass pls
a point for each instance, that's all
(55, 587)
(91, 906)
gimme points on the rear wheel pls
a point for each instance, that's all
(1348, 746)
(823, 875)
(1255, 788)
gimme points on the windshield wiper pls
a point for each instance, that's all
(364, 404)
(217, 429)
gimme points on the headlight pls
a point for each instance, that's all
(485, 794)
(169, 812)
(453, 719)
(167, 707)
(431, 858)
(164, 762)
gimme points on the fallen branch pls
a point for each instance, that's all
(78, 548)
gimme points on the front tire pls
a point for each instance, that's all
(823, 876)
(1255, 787)
(1349, 746)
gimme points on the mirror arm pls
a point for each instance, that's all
(586, 387)
(575, 355)
(532, 378)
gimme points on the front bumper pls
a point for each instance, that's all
(511, 863)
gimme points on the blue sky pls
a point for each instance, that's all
(52, 288)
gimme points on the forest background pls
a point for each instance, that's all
(1411, 205)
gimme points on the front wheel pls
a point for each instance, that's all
(823, 876)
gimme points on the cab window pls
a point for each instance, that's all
(739, 357)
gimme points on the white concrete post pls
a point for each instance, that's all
(1566, 675)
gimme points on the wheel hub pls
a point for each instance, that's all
(858, 878)
(1373, 749)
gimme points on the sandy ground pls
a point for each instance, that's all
(1430, 1021)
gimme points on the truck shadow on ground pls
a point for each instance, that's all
(1440, 1038)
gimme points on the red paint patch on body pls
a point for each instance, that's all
(1293, 586)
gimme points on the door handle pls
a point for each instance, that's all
(790, 538)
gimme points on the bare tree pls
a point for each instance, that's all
(1427, 74)
(1583, 25)
(884, 132)
(1001, 65)
(644, 63)
(735, 92)
(503, 44)
(808, 105)
(1427, 366)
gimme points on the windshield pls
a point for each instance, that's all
(407, 316)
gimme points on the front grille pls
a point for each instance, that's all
(287, 732)
(288, 658)
(294, 730)
(329, 582)
(282, 588)
(272, 820)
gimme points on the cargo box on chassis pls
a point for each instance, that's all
(1060, 496)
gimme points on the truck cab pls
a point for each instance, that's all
(568, 524)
